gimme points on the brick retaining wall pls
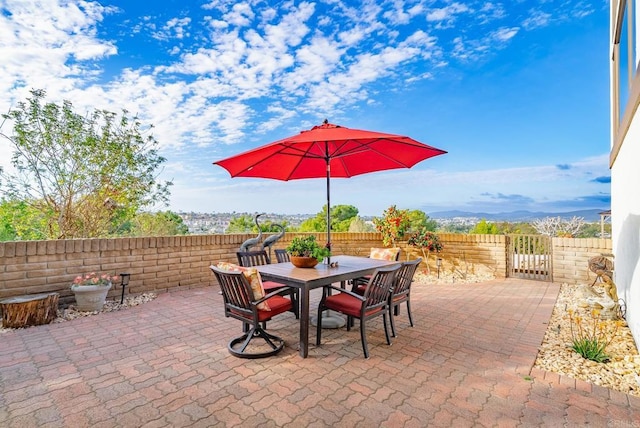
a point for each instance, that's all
(571, 258)
(165, 263)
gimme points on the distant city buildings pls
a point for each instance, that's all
(217, 223)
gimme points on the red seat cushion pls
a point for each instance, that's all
(348, 305)
(399, 297)
(271, 285)
(278, 305)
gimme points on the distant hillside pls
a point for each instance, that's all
(588, 215)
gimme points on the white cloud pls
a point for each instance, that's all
(504, 34)
(402, 12)
(241, 15)
(44, 46)
(446, 16)
(476, 49)
(490, 11)
(536, 19)
(175, 28)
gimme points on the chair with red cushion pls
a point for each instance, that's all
(240, 303)
(358, 285)
(259, 258)
(373, 303)
(401, 291)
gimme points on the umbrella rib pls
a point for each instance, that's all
(363, 147)
(291, 149)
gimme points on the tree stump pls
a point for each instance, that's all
(24, 311)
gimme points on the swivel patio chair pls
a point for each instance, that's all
(282, 256)
(245, 300)
(259, 258)
(373, 303)
(401, 290)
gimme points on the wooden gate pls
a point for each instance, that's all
(529, 257)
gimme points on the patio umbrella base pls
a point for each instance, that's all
(329, 320)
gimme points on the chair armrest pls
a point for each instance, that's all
(342, 290)
(267, 296)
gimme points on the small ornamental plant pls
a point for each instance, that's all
(94, 279)
(393, 225)
(307, 246)
(426, 241)
(590, 338)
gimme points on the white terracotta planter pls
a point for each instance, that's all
(90, 298)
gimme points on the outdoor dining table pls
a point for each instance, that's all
(306, 279)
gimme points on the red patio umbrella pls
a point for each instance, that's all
(328, 151)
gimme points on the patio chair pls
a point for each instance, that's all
(244, 300)
(358, 285)
(373, 303)
(282, 256)
(259, 258)
(401, 290)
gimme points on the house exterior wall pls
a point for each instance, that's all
(625, 156)
(625, 225)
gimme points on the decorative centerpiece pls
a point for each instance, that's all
(91, 290)
(305, 251)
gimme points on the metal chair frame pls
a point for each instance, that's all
(240, 304)
(373, 303)
(401, 291)
(282, 256)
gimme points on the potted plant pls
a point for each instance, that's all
(91, 290)
(306, 252)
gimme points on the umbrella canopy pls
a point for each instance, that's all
(328, 151)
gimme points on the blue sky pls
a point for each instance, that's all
(516, 92)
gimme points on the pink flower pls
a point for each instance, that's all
(94, 279)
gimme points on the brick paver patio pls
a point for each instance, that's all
(467, 362)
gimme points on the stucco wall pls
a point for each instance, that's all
(625, 222)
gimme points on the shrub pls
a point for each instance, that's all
(425, 240)
(393, 225)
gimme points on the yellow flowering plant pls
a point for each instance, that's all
(590, 338)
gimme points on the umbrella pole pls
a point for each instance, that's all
(328, 200)
(329, 319)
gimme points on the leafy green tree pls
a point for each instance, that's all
(592, 230)
(359, 225)
(20, 222)
(269, 226)
(341, 217)
(419, 220)
(241, 224)
(246, 223)
(163, 223)
(81, 173)
(519, 228)
(485, 228)
(455, 228)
